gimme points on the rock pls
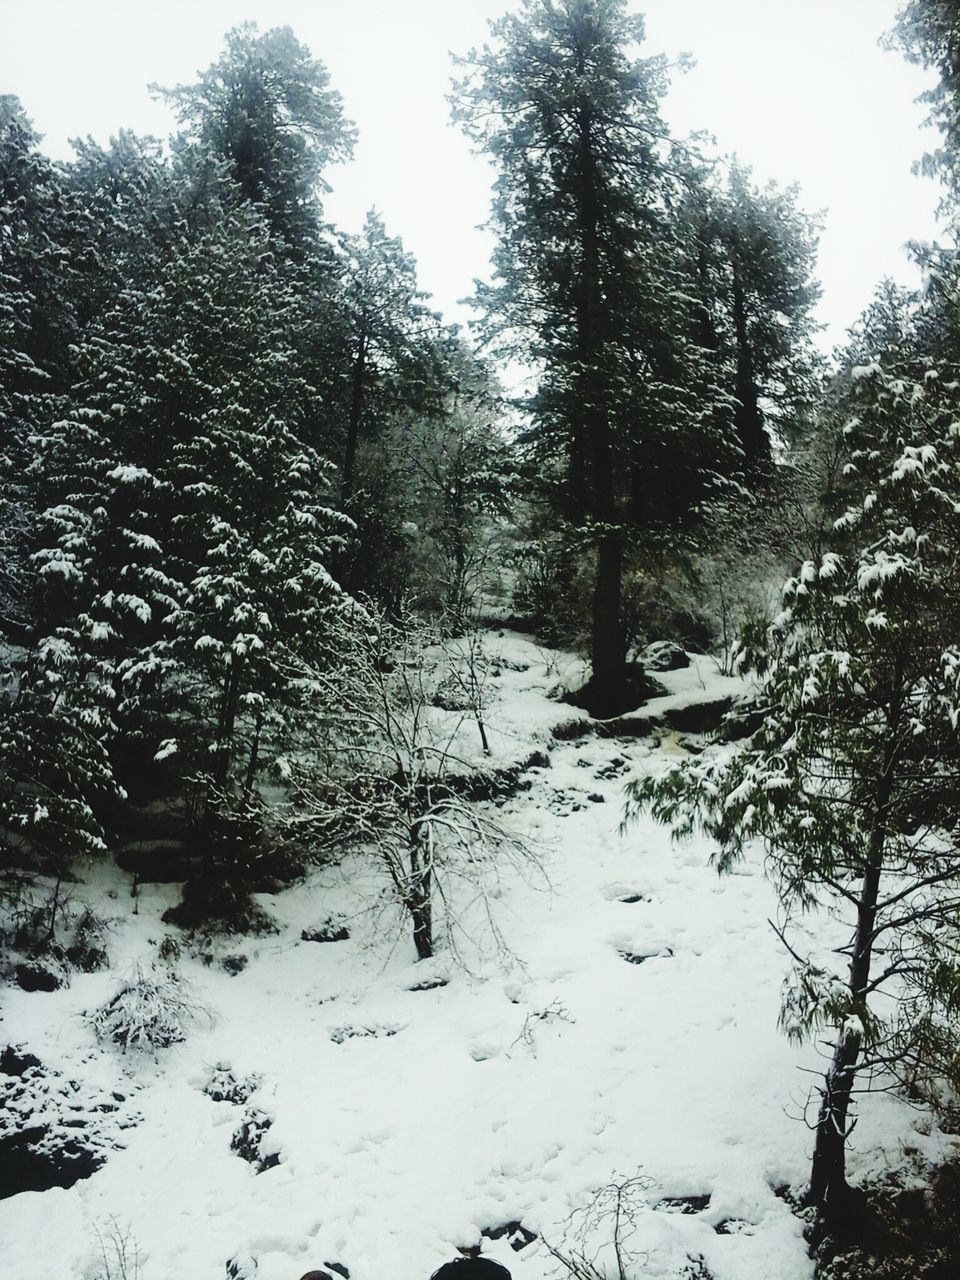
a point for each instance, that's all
(696, 1268)
(36, 976)
(638, 957)
(683, 1204)
(233, 964)
(332, 930)
(429, 984)
(638, 687)
(612, 769)
(664, 655)
(14, 1061)
(247, 1142)
(340, 1035)
(518, 1235)
(734, 1227)
(53, 1131)
(698, 717)
(596, 798)
(241, 1266)
(30, 1161)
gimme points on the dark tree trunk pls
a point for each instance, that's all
(420, 894)
(828, 1191)
(356, 412)
(607, 690)
(707, 332)
(828, 1173)
(226, 726)
(748, 419)
(254, 760)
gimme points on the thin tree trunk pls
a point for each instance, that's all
(828, 1189)
(254, 759)
(226, 727)
(420, 894)
(748, 418)
(356, 412)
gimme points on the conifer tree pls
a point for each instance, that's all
(38, 323)
(755, 253)
(183, 518)
(267, 109)
(587, 281)
(850, 782)
(397, 346)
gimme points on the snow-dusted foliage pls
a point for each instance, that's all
(850, 782)
(152, 1010)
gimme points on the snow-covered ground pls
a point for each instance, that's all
(628, 1027)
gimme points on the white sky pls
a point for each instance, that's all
(799, 90)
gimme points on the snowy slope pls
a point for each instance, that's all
(612, 1037)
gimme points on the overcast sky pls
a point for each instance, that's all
(800, 91)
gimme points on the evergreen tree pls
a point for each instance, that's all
(37, 325)
(755, 252)
(587, 278)
(267, 109)
(461, 482)
(183, 517)
(397, 347)
(928, 32)
(850, 783)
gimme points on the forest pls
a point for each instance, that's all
(616, 711)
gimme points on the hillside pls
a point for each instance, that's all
(393, 1112)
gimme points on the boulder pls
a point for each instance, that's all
(664, 655)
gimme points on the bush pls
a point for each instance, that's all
(150, 1011)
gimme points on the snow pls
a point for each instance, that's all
(408, 1116)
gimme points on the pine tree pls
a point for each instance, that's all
(267, 109)
(183, 517)
(850, 783)
(397, 347)
(755, 253)
(38, 322)
(928, 32)
(587, 282)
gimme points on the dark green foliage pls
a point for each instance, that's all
(605, 281)
(851, 780)
(37, 323)
(265, 107)
(928, 32)
(196, 375)
(754, 258)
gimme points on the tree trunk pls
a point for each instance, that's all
(608, 683)
(226, 726)
(254, 759)
(828, 1190)
(748, 419)
(607, 688)
(420, 892)
(828, 1174)
(356, 412)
